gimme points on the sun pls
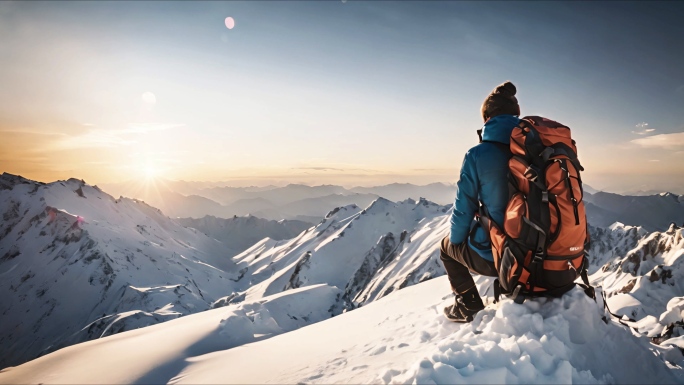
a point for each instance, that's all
(151, 172)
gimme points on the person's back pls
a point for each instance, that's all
(483, 179)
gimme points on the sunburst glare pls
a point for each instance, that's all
(150, 171)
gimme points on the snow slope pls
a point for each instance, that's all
(402, 338)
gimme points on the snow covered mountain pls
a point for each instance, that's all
(77, 264)
(640, 272)
(242, 232)
(365, 253)
(275, 299)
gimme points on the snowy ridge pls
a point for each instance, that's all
(647, 281)
(411, 259)
(612, 242)
(362, 252)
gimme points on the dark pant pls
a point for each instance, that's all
(459, 260)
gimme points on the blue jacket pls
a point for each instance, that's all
(484, 178)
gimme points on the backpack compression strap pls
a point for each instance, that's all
(537, 201)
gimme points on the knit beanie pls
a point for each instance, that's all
(501, 101)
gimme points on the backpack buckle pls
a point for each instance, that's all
(517, 297)
(497, 290)
(547, 153)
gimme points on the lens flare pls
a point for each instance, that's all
(149, 98)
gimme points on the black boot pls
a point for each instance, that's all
(465, 306)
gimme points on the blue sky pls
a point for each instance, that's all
(359, 92)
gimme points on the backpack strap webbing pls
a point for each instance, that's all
(588, 289)
(539, 219)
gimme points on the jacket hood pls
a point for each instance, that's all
(499, 128)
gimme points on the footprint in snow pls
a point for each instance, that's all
(379, 350)
(338, 362)
(389, 373)
(314, 377)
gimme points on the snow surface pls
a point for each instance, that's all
(400, 338)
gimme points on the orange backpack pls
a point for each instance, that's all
(540, 249)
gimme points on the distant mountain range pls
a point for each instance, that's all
(294, 201)
(310, 203)
(652, 212)
(243, 232)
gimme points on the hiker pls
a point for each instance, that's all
(483, 179)
(523, 182)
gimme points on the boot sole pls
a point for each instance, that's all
(457, 320)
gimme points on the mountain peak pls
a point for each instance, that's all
(8, 181)
(80, 182)
(425, 202)
(670, 195)
(344, 209)
(409, 201)
(379, 205)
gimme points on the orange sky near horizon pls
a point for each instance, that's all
(315, 93)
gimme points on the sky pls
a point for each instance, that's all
(340, 92)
